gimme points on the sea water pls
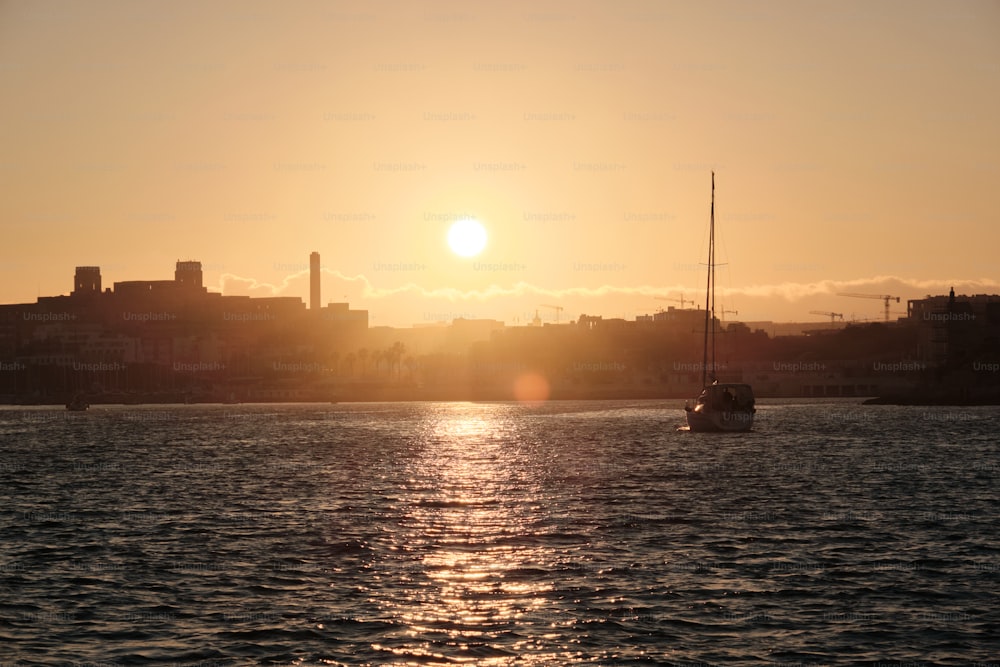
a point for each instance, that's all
(566, 533)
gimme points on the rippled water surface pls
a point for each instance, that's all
(498, 534)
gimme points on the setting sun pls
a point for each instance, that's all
(467, 237)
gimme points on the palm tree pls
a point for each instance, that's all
(410, 364)
(363, 356)
(395, 355)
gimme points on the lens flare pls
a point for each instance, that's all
(531, 388)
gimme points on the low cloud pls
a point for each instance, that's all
(231, 284)
(410, 302)
(893, 285)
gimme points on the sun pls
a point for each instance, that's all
(467, 237)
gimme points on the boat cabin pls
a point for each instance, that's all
(727, 397)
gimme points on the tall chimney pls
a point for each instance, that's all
(314, 281)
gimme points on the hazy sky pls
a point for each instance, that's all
(856, 147)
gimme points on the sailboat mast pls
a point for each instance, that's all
(711, 262)
(709, 305)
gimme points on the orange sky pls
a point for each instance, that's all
(855, 146)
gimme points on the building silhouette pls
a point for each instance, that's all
(188, 275)
(171, 339)
(956, 331)
(87, 281)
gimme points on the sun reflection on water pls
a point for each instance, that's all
(469, 530)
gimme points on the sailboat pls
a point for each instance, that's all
(725, 406)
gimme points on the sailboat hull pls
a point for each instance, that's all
(716, 421)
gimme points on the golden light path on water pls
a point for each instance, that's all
(570, 533)
(469, 515)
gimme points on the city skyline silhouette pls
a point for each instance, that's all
(174, 340)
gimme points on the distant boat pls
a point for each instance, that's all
(77, 404)
(719, 407)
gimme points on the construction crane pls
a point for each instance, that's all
(558, 310)
(884, 297)
(681, 300)
(832, 316)
(724, 311)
